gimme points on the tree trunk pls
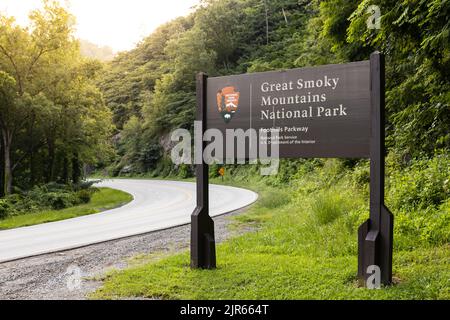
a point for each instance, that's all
(65, 174)
(51, 161)
(76, 169)
(2, 169)
(31, 151)
(7, 182)
(31, 165)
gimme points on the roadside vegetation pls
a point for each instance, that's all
(59, 205)
(306, 243)
(50, 196)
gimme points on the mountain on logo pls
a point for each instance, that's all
(228, 102)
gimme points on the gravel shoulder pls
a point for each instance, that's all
(56, 276)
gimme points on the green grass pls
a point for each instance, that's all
(293, 255)
(102, 200)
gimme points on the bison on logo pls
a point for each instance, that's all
(228, 102)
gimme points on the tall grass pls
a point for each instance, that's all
(329, 205)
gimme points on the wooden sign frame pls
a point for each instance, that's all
(375, 236)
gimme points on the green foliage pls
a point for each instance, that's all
(417, 194)
(338, 197)
(214, 170)
(5, 208)
(58, 200)
(414, 35)
(426, 226)
(53, 117)
(164, 167)
(84, 196)
(425, 183)
(155, 83)
(184, 171)
(361, 175)
(52, 196)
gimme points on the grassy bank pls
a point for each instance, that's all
(305, 248)
(102, 200)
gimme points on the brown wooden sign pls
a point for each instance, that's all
(320, 112)
(328, 111)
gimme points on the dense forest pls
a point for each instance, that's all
(61, 112)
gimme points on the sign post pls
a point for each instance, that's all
(203, 247)
(222, 172)
(375, 236)
(334, 111)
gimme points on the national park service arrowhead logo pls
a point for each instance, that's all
(228, 102)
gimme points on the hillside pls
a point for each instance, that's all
(150, 89)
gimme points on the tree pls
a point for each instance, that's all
(52, 115)
(21, 52)
(9, 108)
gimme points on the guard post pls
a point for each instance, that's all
(203, 247)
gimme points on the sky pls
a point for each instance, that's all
(119, 24)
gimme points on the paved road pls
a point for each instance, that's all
(157, 205)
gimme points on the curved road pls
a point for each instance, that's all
(157, 205)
